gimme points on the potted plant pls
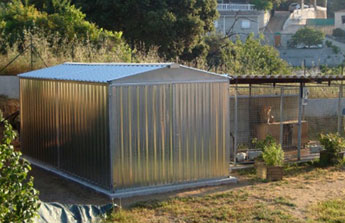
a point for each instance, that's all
(273, 156)
(333, 149)
(271, 165)
(259, 146)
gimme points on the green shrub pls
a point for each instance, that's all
(338, 32)
(273, 155)
(333, 144)
(261, 144)
(335, 49)
(18, 197)
(67, 24)
(328, 43)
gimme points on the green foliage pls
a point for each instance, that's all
(332, 142)
(261, 144)
(55, 51)
(263, 4)
(328, 43)
(339, 32)
(333, 145)
(273, 155)
(331, 70)
(64, 22)
(175, 27)
(330, 211)
(249, 57)
(335, 49)
(334, 5)
(308, 37)
(219, 47)
(18, 198)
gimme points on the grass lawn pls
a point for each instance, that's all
(307, 194)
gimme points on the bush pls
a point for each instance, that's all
(328, 43)
(308, 37)
(335, 49)
(54, 53)
(261, 144)
(66, 24)
(338, 32)
(273, 155)
(18, 198)
(333, 144)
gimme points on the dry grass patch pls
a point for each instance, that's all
(329, 211)
(252, 200)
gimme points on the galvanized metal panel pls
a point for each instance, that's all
(83, 131)
(169, 133)
(38, 111)
(65, 124)
(90, 72)
(122, 72)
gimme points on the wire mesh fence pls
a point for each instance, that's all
(293, 115)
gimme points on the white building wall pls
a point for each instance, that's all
(338, 21)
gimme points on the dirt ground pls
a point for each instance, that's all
(300, 189)
(54, 188)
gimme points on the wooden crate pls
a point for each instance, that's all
(275, 173)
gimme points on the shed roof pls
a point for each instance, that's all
(104, 72)
(92, 72)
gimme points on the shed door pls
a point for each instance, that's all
(141, 131)
(169, 133)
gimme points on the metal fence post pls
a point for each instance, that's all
(299, 139)
(235, 126)
(281, 116)
(339, 107)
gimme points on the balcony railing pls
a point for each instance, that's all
(236, 7)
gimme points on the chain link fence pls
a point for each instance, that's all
(293, 115)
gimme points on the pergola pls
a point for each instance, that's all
(287, 80)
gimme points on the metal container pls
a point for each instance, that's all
(124, 126)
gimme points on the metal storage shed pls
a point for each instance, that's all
(118, 127)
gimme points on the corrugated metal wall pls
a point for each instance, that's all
(65, 124)
(38, 124)
(169, 133)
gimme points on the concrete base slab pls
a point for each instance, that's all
(175, 187)
(140, 191)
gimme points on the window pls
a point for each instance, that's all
(343, 19)
(216, 24)
(245, 24)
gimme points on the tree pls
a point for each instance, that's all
(267, 4)
(18, 197)
(263, 4)
(219, 47)
(64, 21)
(308, 37)
(248, 57)
(175, 27)
(335, 5)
